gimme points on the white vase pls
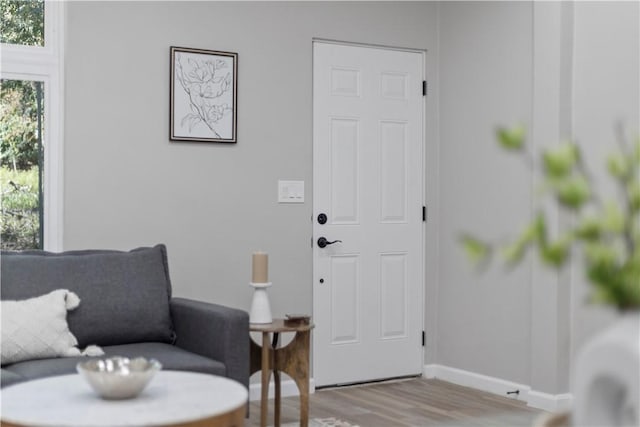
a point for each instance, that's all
(607, 377)
(260, 308)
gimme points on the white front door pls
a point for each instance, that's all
(368, 111)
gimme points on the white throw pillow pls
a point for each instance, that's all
(37, 328)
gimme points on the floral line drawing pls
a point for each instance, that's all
(203, 86)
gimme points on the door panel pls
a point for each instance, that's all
(345, 284)
(368, 150)
(393, 172)
(393, 291)
(344, 171)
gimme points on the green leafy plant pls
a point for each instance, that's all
(607, 231)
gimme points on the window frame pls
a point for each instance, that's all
(46, 64)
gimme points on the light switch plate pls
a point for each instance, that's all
(290, 191)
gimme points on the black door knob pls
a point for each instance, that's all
(323, 242)
(322, 218)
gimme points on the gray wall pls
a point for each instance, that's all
(606, 93)
(566, 71)
(485, 76)
(212, 204)
(561, 69)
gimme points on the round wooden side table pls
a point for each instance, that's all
(292, 359)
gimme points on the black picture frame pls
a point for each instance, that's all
(203, 101)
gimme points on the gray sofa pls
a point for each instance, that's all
(127, 309)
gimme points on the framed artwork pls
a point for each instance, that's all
(203, 96)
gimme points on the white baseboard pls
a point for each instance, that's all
(550, 402)
(535, 399)
(477, 381)
(288, 388)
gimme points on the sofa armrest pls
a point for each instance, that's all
(214, 331)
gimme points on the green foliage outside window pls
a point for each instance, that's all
(20, 228)
(19, 131)
(21, 23)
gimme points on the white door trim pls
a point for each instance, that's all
(368, 45)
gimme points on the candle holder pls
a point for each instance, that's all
(260, 309)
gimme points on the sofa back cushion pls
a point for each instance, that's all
(124, 296)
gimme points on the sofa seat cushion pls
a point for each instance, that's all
(7, 378)
(124, 295)
(172, 358)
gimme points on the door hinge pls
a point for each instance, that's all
(424, 338)
(424, 88)
(424, 213)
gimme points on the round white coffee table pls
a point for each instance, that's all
(172, 398)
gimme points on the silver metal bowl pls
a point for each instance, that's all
(118, 377)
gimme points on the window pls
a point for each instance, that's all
(21, 125)
(31, 124)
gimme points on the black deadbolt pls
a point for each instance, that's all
(322, 218)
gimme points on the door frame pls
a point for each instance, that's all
(425, 109)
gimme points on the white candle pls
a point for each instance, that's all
(260, 267)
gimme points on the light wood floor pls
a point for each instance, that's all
(413, 402)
